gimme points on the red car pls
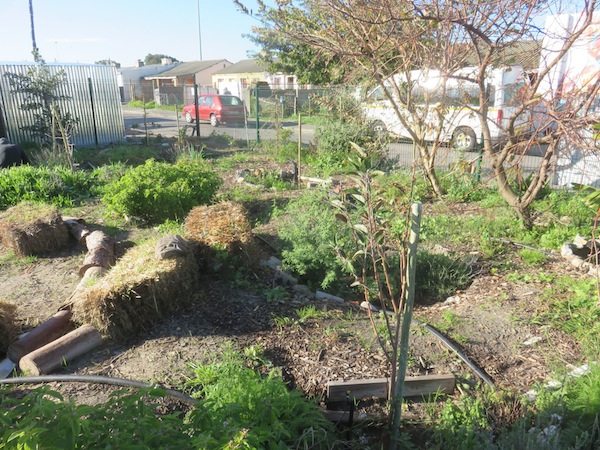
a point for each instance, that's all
(215, 109)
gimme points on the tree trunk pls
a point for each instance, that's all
(101, 251)
(51, 356)
(44, 333)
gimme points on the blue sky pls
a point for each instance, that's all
(85, 31)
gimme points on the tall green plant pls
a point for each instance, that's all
(41, 90)
(369, 261)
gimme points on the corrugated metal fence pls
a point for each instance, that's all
(94, 100)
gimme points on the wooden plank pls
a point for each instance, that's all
(337, 391)
(429, 384)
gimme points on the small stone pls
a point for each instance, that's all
(367, 305)
(303, 290)
(532, 341)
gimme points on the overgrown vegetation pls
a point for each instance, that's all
(155, 191)
(471, 221)
(236, 408)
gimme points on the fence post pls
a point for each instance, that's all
(479, 161)
(196, 110)
(257, 115)
(299, 147)
(93, 111)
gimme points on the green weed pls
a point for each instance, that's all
(159, 191)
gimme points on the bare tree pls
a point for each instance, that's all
(381, 39)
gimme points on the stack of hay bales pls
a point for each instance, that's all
(136, 292)
(8, 330)
(223, 226)
(32, 229)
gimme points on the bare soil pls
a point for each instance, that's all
(490, 321)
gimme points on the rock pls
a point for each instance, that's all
(285, 278)
(532, 341)
(367, 305)
(570, 251)
(272, 263)
(325, 296)
(303, 290)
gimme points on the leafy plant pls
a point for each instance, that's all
(238, 404)
(308, 244)
(158, 191)
(58, 185)
(440, 276)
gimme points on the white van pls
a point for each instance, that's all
(451, 102)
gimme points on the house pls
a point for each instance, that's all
(247, 73)
(132, 80)
(177, 84)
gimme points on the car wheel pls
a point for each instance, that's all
(379, 128)
(464, 139)
(188, 117)
(214, 121)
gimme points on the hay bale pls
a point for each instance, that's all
(8, 329)
(136, 292)
(33, 229)
(223, 226)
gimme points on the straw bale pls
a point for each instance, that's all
(223, 226)
(136, 292)
(33, 229)
(8, 329)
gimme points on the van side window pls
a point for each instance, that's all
(513, 93)
(376, 95)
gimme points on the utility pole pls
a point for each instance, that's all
(199, 32)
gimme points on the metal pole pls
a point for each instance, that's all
(196, 109)
(199, 32)
(93, 111)
(257, 115)
(299, 146)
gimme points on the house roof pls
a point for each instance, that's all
(525, 54)
(243, 66)
(189, 68)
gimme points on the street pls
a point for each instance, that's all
(170, 124)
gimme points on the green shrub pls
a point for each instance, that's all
(465, 188)
(159, 191)
(309, 237)
(439, 276)
(240, 406)
(43, 419)
(58, 185)
(333, 143)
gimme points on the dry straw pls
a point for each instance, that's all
(8, 329)
(32, 229)
(224, 226)
(136, 292)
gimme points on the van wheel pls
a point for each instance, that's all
(379, 128)
(188, 117)
(464, 139)
(214, 121)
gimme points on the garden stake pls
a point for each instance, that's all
(413, 240)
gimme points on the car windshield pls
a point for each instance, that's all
(231, 101)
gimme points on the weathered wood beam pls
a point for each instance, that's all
(339, 391)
